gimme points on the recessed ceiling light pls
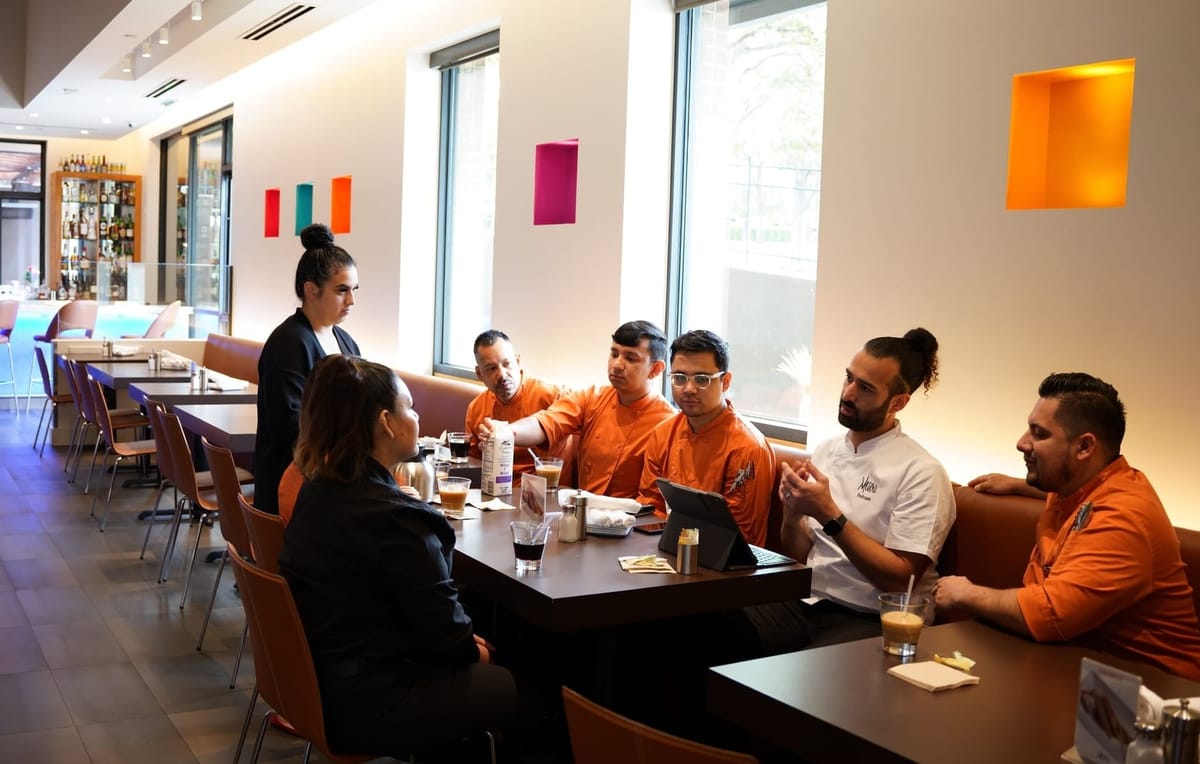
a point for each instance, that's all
(127, 64)
(162, 36)
(83, 132)
(105, 120)
(146, 49)
(19, 127)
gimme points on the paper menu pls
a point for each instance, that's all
(932, 676)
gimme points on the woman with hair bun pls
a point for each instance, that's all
(326, 279)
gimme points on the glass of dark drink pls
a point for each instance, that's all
(529, 542)
(460, 445)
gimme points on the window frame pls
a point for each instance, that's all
(448, 60)
(687, 39)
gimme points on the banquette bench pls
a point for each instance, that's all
(993, 536)
(232, 356)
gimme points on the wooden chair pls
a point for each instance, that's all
(266, 535)
(227, 480)
(120, 419)
(162, 323)
(283, 663)
(75, 316)
(600, 736)
(8, 321)
(196, 487)
(52, 399)
(121, 449)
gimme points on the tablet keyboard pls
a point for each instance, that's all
(765, 558)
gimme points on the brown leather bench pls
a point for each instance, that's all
(783, 453)
(441, 402)
(233, 356)
(993, 537)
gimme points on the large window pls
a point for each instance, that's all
(21, 217)
(466, 196)
(750, 80)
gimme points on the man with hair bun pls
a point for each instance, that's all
(869, 509)
(1106, 570)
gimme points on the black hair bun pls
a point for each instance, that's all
(316, 236)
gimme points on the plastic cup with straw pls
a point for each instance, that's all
(902, 618)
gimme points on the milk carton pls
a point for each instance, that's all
(498, 461)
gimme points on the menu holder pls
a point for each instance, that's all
(1104, 714)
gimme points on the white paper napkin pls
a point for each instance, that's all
(123, 350)
(932, 676)
(224, 382)
(169, 360)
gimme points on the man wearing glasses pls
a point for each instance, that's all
(707, 445)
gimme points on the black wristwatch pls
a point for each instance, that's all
(834, 526)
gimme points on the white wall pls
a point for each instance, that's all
(914, 229)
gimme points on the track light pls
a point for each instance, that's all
(196, 15)
(162, 36)
(127, 64)
(146, 49)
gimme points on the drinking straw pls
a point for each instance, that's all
(908, 597)
(536, 460)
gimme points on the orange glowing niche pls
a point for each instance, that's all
(1069, 137)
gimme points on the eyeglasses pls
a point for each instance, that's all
(702, 381)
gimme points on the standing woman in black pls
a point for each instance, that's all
(326, 279)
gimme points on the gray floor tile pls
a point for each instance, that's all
(29, 702)
(20, 522)
(19, 651)
(106, 693)
(56, 746)
(26, 546)
(34, 574)
(60, 604)
(155, 635)
(188, 682)
(11, 612)
(6, 584)
(81, 643)
(212, 733)
(151, 738)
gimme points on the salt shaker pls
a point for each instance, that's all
(1145, 748)
(195, 377)
(1181, 734)
(568, 524)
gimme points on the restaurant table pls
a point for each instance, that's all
(172, 394)
(117, 375)
(838, 704)
(581, 585)
(96, 355)
(229, 425)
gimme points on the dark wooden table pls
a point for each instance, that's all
(838, 704)
(230, 425)
(582, 586)
(118, 375)
(173, 394)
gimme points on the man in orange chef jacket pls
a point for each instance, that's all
(613, 421)
(707, 445)
(1106, 570)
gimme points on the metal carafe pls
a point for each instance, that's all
(418, 473)
(1181, 734)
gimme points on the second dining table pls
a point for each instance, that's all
(229, 425)
(172, 394)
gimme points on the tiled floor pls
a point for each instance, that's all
(97, 661)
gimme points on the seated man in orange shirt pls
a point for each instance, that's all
(510, 395)
(613, 421)
(707, 445)
(1106, 570)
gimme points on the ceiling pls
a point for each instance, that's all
(63, 77)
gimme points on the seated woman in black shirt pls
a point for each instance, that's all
(399, 668)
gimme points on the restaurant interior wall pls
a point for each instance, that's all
(914, 229)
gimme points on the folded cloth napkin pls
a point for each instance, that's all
(169, 360)
(120, 350)
(932, 676)
(494, 503)
(596, 501)
(647, 564)
(608, 518)
(224, 382)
